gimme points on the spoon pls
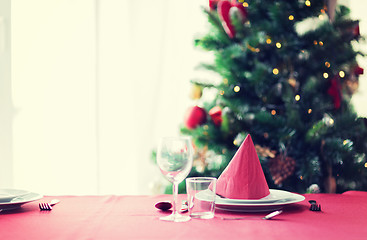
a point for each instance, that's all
(267, 217)
(167, 205)
(164, 205)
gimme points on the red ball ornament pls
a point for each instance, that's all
(194, 117)
(216, 115)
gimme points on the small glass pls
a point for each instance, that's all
(201, 196)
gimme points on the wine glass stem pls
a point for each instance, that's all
(175, 194)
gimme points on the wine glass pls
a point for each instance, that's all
(174, 158)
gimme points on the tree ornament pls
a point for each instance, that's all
(224, 12)
(358, 70)
(196, 92)
(265, 151)
(216, 115)
(335, 92)
(281, 167)
(313, 188)
(200, 159)
(194, 117)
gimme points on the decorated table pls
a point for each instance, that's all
(343, 216)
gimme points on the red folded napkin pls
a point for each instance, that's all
(243, 178)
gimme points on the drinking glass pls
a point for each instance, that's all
(174, 158)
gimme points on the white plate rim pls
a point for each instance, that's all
(7, 194)
(19, 200)
(286, 198)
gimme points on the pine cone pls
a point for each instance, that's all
(281, 167)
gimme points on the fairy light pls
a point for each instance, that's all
(291, 17)
(309, 111)
(236, 89)
(297, 97)
(314, 42)
(365, 165)
(345, 142)
(278, 45)
(301, 177)
(275, 71)
(321, 43)
(321, 17)
(245, 4)
(342, 74)
(221, 92)
(273, 112)
(325, 75)
(268, 40)
(308, 3)
(235, 142)
(327, 64)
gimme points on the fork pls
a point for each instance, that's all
(314, 206)
(48, 206)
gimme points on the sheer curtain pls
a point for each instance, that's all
(94, 85)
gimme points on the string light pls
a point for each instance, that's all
(315, 42)
(365, 165)
(342, 74)
(308, 3)
(273, 112)
(291, 17)
(221, 92)
(301, 177)
(236, 89)
(275, 71)
(309, 111)
(326, 75)
(225, 81)
(321, 43)
(278, 45)
(268, 40)
(297, 97)
(327, 64)
(245, 4)
(235, 142)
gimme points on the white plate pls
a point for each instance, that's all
(276, 200)
(18, 198)
(7, 195)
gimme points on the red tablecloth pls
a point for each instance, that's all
(343, 216)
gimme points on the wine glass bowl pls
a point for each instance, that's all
(174, 158)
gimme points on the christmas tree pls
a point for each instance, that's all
(287, 71)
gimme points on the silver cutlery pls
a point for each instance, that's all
(314, 206)
(167, 205)
(48, 206)
(267, 217)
